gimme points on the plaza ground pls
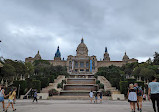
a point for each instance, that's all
(75, 106)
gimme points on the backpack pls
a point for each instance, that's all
(139, 91)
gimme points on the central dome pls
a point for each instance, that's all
(82, 49)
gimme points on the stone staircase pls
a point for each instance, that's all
(79, 85)
(107, 85)
(54, 85)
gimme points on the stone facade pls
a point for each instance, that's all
(82, 63)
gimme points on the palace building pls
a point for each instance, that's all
(82, 63)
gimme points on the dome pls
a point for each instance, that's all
(82, 49)
(125, 57)
(37, 56)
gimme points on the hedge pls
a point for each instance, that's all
(131, 81)
(124, 87)
(44, 82)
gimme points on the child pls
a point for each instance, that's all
(96, 96)
(10, 99)
(101, 96)
(2, 95)
(91, 95)
(132, 97)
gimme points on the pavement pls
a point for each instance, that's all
(75, 106)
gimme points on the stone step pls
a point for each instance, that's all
(81, 81)
(87, 87)
(75, 98)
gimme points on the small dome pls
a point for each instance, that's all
(125, 57)
(37, 56)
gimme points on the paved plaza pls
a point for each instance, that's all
(75, 106)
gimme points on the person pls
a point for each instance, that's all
(10, 99)
(96, 96)
(35, 96)
(91, 95)
(2, 95)
(132, 97)
(101, 96)
(144, 97)
(153, 93)
(14, 100)
(139, 96)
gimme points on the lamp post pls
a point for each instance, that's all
(19, 91)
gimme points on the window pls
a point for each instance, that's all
(76, 64)
(70, 64)
(81, 70)
(81, 64)
(87, 64)
(93, 65)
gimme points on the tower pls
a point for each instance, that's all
(106, 55)
(57, 54)
(37, 56)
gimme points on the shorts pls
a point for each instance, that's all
(10, 101)
(96, 97)
(139, 98)
(1, 99)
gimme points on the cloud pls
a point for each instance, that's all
(121, 25)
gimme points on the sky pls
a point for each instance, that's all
(27, 26)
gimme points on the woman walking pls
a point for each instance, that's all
(2, 95)
(10, 99)
(132, 97)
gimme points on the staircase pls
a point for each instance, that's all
(79, 85)
(54, 85)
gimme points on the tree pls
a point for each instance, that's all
(156, 58)
(8, 70)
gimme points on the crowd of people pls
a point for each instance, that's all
(135, 95)
(11, 98)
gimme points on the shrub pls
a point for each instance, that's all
(44, 82)
(36, 84)
(53, 92)
(59, 85)
(124, 87)
(101, 86)
(97, 81)
(131, 81)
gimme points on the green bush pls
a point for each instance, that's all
(131, 81)
(36, 84)
(124, 87)
(53, 92)
(23, 86)
(44, 82)
(59, 85)
(51, 77)
(101, 86)
(63, 81)
(97, 81)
